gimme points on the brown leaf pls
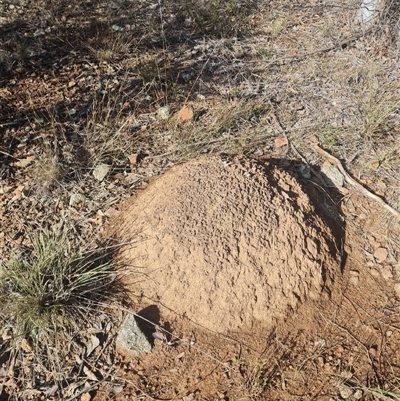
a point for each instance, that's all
(24, 162)
(25, 345)
(185, 114)
(133, 158)
(86, 397)
(281, 141)
(375, 164)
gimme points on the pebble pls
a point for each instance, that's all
(345, 392)
(386, 272)
(380, 254)
(100, 171)
(354, 277)
(339, 351)
(131, 338)
(164, 112)
(75, 199)
(332, 176)
(397, 289)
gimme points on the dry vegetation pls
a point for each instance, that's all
(81, 86)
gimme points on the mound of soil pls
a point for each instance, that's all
(227, 242)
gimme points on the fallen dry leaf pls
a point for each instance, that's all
(185, 114)
(24, 345)
(24, 162)
(92, 343)
(375, 164)
(86, 397)
(281, 141)
(134, 158)
(90, 375)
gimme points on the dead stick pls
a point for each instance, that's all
(353, 182)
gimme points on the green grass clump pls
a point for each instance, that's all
(53, 288)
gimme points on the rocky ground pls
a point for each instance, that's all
(96, 98)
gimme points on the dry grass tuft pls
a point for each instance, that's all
(51, 291)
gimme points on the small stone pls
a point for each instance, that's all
(332, 176)
(117, 28)
(345, 392)
(131, 338)
(320, 343)
(386, 272)
(305, 171)
(100, 171)
(397, 289)
(354, 277)
(164, 112)
(380, 254)
(339, 351)
(75, 199)
(186, 77)
(321, 361)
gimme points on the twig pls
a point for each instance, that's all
(354, 183)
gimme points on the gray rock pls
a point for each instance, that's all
(100, 171)
(367, 12)
(332, 176)
(75, 199)
(164, 112)
(131, 338)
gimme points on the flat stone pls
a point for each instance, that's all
(332, 176)
(101, 171)
(380, 254)
(131, 338)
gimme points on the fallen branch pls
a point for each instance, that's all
(353, 182)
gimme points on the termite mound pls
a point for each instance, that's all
(226, 242)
